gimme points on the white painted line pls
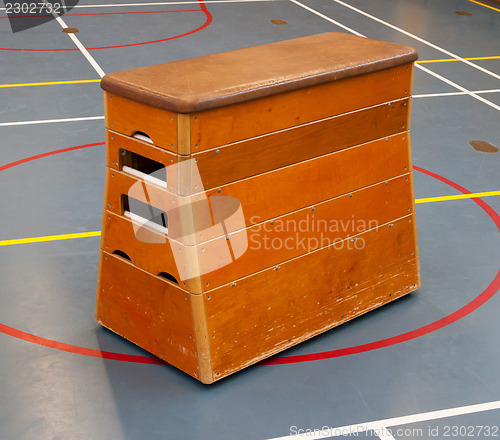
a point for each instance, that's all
(463, 89)
(319, 14)
(428, 43)
(435, 95)
(194, 2)
(50, 121)
(78, 44)
(396, 421)
(385, 434)
(430, 72)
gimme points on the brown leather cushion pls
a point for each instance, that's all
(211, 81)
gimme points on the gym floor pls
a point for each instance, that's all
(423, 367)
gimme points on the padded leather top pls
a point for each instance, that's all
(221, 79)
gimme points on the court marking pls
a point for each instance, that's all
(486, 6)
(435, 95)
(473, 305)
(449, 60)
(430, 72)
(194, 2)
(51, 83)
(379, 425)
(51, 121)
(78, 43)
(421, 40)
(203, 9)
(108, 13)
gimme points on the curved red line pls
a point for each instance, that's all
(50, 153)
(203, 8)
(477, 302)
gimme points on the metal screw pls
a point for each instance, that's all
(227, 238)
(219, 190)
(217, 152)
(313, 208)
(233, 284)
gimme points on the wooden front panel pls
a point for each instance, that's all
(258, 155)
(148, 311)
(116, 142)
(268, 312)
(233, 123)
(146, 248)
(127, 117)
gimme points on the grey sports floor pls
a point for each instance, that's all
(426, 366)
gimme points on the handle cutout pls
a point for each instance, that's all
(121, 254)
(142, 137)
(168, 277)
(143, 167)
(145, 214)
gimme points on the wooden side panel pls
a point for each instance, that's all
(287, 237)
(290, 188)
(127, 117)
(233, 123)
(268, 244)
(116, 141)
(270, 311)
(258, 155)
(148, 311)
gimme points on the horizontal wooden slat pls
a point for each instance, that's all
(236, 122)
(127, 117)
(270, 311)
(287, 189)
(255, 156)
(264, 244)
(291, 188)
(116, 141)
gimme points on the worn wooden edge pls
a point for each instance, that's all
(205, 374)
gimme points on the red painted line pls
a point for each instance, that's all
(105, 13)
(203, 8)
(50, 153)
(477, 302)
(78, 350)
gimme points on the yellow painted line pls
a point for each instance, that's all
(98, 233)
(449, 60)
(50, 238)
(53, 83)
(486, 6)
(458, 197)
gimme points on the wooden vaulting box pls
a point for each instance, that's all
(256, 198)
